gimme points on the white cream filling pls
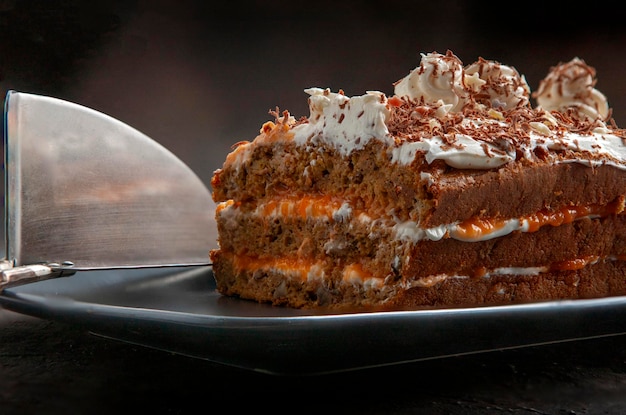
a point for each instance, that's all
(412, 232)
(353, 276)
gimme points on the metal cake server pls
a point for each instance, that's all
(85, 191)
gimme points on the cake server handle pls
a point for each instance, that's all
(14, 276)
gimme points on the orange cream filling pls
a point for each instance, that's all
(476, 227)
(221, 206)
(304, 268)
(286, 265)
(574, 264)
(304, 207)
(356, 274)
(324, 206)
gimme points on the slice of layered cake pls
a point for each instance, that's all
(455, 191)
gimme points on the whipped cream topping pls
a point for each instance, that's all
(439, 79)
(497, 124)
(571, 86)
(496, 85)
(473, 117)
(442, 80)
(467, 154)
(347, 124)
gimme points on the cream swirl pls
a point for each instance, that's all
(503, 88)
(571, 86)
(437, 78)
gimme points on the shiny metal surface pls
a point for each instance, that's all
(83, 188)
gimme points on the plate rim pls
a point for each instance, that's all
(228, 339)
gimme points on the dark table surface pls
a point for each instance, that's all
(198, 76)
(52, 367)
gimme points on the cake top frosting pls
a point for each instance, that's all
(477, 116)
(442, 80)
(570, 87)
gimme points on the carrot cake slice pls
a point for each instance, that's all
(454, 191)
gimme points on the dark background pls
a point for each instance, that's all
(198, 76)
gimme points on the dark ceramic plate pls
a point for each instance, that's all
(178, 310)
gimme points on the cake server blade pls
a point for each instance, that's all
(85, 191)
